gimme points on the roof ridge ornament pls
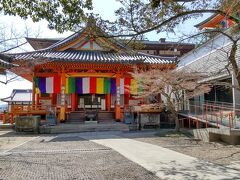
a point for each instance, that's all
(91, 23)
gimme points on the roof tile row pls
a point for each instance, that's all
(95, 57)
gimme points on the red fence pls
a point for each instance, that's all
(214, 114)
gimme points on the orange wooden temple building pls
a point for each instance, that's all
(217, 21)
(87, 70)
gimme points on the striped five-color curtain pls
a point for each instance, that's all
(87, 85)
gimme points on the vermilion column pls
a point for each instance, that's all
(108, 102)
(37, 100)
(117, 104)
(76, 104)
(126, 99)
(33, 92)
(54, 99)
(74, 101)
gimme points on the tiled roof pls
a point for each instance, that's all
(210, 58)
(94, 57)
(98, 33)
(5, 62)
(65, 40)
(206, 20)
(147, 42)
(19, 95)
(54, 42)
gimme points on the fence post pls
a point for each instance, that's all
(217, 120)
(206, 117)
(189, 122)
(182, 122)
(4, 118)
(233, 118)
(211, 111)
(229, 115)
(11, 118)
(197, 123)
(221, 116)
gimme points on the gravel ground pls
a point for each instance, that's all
(51, 157)
(212, 152)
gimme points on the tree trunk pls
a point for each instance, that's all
(173, 111)
(177, 124)
(232, 60)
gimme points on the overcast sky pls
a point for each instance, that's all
(105, 8)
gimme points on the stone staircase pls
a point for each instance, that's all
(75, 128)
(105, 116)
(79, 117)
(76, 117)
(76, 123)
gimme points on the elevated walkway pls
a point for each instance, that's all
(209, 122)
(219, 122)
(212, 115)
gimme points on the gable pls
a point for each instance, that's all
(88, 45)
(88, 40)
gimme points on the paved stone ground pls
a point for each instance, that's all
(214, 152)
(67, 157)
(163, 162)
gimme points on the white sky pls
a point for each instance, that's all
(105, 8)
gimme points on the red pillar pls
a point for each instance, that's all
(37, 100)
(33, 93)
(74, 101)
(126, 99)
(54, 99)
(108, 102)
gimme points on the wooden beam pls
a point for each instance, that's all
(43, 74)
(73, 43)
(109, 43)
(90, 74)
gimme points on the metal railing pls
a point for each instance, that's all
(220, 115)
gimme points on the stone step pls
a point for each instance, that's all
(73, 128)
(77, 118)
(80, 116)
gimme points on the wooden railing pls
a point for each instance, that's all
(18, 110)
